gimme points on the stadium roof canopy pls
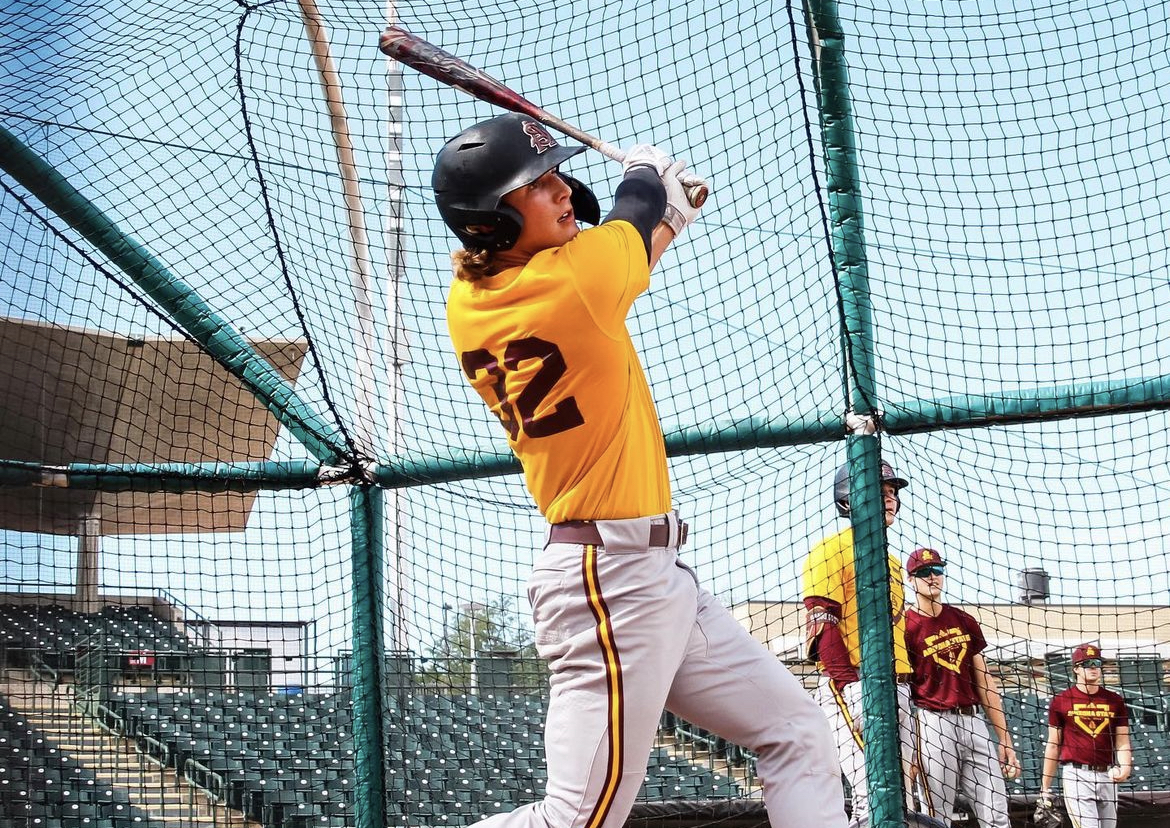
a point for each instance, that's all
(86, 396)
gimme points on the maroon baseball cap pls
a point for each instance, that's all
(924, 557)
(1085, 652)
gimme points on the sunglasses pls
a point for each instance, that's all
(927, 571)
(1092, 662)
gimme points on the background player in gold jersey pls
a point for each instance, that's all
(536, 314)
(833, 638)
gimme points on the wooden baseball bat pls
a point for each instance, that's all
(444, 67)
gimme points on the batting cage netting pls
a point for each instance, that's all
(265, 551)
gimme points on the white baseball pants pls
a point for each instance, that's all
(843, 709)
(958, 756)
(627, 632)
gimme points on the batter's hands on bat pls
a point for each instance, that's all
(646, 155)
(679, 210)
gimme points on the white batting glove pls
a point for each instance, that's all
(646, 155)
(679, 210)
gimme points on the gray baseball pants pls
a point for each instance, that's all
(627, 631)
(1090, 797)
(957, 755)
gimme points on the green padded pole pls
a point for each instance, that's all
(366, 526)
(164, 477)
(185, 306)
(883, 763)
(871, 566)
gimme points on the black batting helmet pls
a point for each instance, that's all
(475, 169)
(841, 485)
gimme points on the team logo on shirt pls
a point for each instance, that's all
(539, 137)
(948, 648)
(1091, 717)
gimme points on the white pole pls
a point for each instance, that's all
(359, 241)
(366, 341)
(395, 268)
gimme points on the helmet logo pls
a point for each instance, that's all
(538, 136)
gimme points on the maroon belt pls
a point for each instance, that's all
(585, 532)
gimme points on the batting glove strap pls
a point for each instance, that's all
(674, 219)
(679, 210)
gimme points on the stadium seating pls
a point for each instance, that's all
(289, 760)
(53, 634)
(42, 785)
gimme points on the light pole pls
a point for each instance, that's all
(446, 636)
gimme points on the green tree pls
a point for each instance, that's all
(484, 646)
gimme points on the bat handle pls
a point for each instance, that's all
(696, 188)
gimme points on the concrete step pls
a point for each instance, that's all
(114, 762)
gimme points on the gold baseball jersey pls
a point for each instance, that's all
(546, 347)
(829, 573)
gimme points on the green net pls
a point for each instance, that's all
(222, 281)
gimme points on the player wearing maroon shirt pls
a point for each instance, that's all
(1088, 736)
(953, 691)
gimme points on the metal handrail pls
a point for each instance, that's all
(163, 756)
(42, 669)
(203, 777)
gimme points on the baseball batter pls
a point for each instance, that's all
(952, 691)
(1088, 737)
(536, 314)
(833, 639)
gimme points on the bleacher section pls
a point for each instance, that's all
(286, 760)
(53, 635)
(43, 785)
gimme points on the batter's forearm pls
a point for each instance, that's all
(660, 239)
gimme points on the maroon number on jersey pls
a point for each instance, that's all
(564, 416)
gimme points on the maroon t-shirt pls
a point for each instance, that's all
(1087, 722)
(942, 651)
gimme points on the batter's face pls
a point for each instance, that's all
(547, 212)
(890, 502)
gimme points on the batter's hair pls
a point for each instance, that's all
(471, 264)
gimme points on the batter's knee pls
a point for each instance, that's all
(802, 734)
